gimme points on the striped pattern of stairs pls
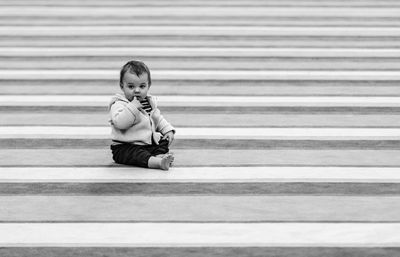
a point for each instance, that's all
(287, 115)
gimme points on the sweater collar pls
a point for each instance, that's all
(121, 97)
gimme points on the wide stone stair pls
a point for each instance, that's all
(288, 128)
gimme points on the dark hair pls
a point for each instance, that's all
(135, 67)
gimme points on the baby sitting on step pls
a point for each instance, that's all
(141, 136)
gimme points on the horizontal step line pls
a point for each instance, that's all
(97, 132)
(113, 19)
(200, 175)
(101, 157)
(48, 118)
(292, 4)
(199, 234)
(288, 22)
(213, 142)
(214, 30)
(207, 101)
(204, 5)
(200, 28)
(185, 51)
(198, 209)
(197, 222)
(203, 189)
(231, 75)
(177, 11)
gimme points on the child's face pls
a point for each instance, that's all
(133, 85)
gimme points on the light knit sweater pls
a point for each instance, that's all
(131, 124)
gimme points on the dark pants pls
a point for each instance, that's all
(137, 155)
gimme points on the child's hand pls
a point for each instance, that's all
(137, 103)
(170, 137)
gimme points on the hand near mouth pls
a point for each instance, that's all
(137, 102)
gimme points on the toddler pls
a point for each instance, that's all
(141, 136)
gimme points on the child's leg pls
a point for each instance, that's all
(160, 162)
(130, 154)
(167, 155)
(161, 151)
(161, 148)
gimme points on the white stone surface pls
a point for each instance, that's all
(97, 132)
(200, 234)
(201, 174)
(204, 51)
(47, 74)
(210, 101)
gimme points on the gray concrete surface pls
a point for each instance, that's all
(362, 25)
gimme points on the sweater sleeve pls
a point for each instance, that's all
(123, 116)
(163, 125)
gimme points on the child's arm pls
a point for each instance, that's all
(169, 136)
(163, 125)
(123, 116)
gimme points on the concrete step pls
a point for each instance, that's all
(96, 157)
(216, 63)
(182, 119)
(228, 174)
(210, 234)
(208, 11)
(215, 52)
(237, 40)
(209, 101)
(228, 110)
(207, 182)
(199, 31)
(193, 133)
(322, 143)
(24, 137)
(217, 137)
(288, 3)
(206, 58)
(193, 75)
(207, 189)
(284, 64)
(179, 104)
(214, 208)
(107, 88)
(210, 133)
(198, 252)
(208, 21)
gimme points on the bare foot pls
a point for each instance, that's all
(166, 161)
(172, 158)
(167, 154)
